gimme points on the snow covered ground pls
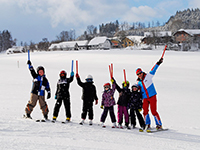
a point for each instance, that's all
(177, 83)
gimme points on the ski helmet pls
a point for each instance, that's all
(40, 68)
(127, 83)
(63, 74)
(138, 70)
(106, 85)
(135, 85)
(89, 78)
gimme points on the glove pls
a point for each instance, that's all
(55, 96)
(96, 102)
(160, 61)
(139, 110)
(29, 62)
(112, 80)
(72, 74)
(101, 107)
(77, 76)
(49, 95)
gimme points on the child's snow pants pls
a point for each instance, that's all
(33, 101)
(105, 112)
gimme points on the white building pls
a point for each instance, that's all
(15, 49)
(99, 43)
(69, 45)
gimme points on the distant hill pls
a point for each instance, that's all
(187, 19)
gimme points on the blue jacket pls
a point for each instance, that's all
(146, 84)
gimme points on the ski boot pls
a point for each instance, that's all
(159, 127)
(68, 119)
(133, 126)
(142, 128)
(120, 126)
(54, 119)
(45, 118)
(90, 122)
(127, 127)
(148, 128)
(114, 125)
(103, 125)
(27, 116)
(82, 122)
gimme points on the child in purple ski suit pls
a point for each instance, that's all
(108, 103)
(124, 96)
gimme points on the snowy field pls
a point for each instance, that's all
(177, 82)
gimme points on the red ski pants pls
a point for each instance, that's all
(152, 101)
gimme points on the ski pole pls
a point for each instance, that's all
(72, 69)
(164, 51)
(111, 70)
(162, 55)
(124, 76)
(28, 55)
(76, 66)
(29, 58)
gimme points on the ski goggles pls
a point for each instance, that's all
(139, 73)
(107, 86)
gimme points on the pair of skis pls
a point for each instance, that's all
(111, 72)
(153, 130)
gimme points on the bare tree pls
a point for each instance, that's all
(90, 29)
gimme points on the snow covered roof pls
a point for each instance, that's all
(159, 33)
(190, 31)
(98, 40)
(15, 49)
(68, 44)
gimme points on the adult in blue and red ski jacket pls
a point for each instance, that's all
(149, 93)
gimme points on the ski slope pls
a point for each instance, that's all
(176, 80)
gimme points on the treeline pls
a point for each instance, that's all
(6, 40)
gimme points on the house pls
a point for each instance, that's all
(69, 45)
(161, 36)
(186, 34)
(115, 43)
(131, 40)
(15, 49)
(158, 33)
(99, 43)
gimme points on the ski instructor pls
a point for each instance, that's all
(148, 91)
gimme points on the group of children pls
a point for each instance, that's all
(139, 97)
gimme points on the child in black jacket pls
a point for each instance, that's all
(62, 94)
(88, 97)
(124, 96)
(135, 105)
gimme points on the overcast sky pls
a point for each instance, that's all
(33, 20)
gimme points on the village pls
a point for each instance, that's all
(182, 40)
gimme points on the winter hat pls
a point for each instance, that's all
(138, 70)
(127, 83)
(135, 85)
(106, 84)
(63, 74)
(40, 68)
